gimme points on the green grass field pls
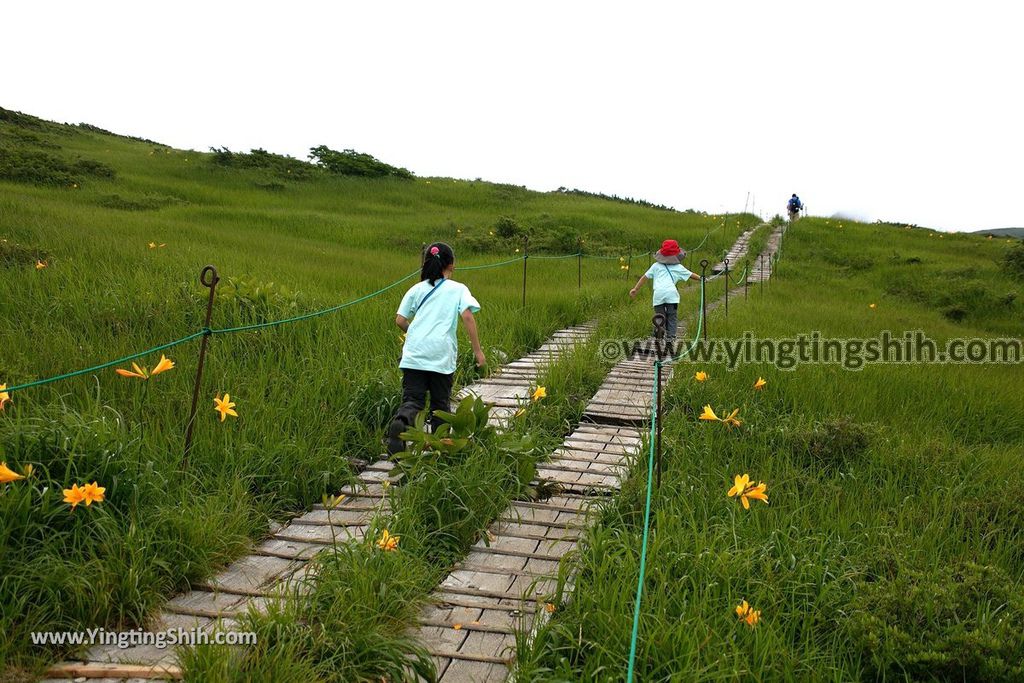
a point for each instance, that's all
(890, 548)
(891, 545)
(310, 396)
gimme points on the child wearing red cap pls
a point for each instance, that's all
(664, 273)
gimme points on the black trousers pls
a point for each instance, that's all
(415, 386)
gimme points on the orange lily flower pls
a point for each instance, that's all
(164, 365)
(5, 396)
(138, 372)
(225, 406)
(709, 415)
(760, 384)
(7, 475)
(74, 495)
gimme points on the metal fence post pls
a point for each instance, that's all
(579, 263)
(761, 272)
(703, 298)
(746, 278)
(726, 288)
(629, 263)
(211, 284)
(526, 256)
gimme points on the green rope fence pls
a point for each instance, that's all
(652, 438)
(276, 323)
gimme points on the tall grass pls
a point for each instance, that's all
(312, 397)
(890, 548)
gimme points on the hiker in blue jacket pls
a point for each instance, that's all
(794, 206)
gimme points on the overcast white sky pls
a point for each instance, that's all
(896, 110)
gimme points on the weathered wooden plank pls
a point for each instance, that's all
(92, 671)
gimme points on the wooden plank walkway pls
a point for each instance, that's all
(506, 583)
(761, 268)
(275, 567)
(511, 386)
(737, 252)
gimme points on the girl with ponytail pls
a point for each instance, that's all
(429, 315)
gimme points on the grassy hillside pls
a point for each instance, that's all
(120, 229)
(1017, 233)
(890, 548)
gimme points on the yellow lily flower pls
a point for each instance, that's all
(387, 542)
(28, 470)
(225, 406)
(701, 376)
(731, 420)
(164, 365)
(760, 384)
(872, 305)
(7, 475)
(709, 415)
(40, 265)
(520, 412)
(749, 616)
(74, 495)
(745, 490)
(539, 393)
(152, 245)
(5, 396)
(739, 484)
(138, 372)
(92, 493)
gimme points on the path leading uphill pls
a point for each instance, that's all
(277, 565)
(506, 583)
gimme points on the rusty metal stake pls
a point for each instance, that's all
(703, 298)
(211, 284)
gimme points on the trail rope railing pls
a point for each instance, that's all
(654, 460)
(276, 323)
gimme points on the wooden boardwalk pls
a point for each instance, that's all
(503, 586)
(276, 566)
(507, 582)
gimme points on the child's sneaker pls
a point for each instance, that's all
(393, 441)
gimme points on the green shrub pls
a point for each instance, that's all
(507, 227)
(832, 443)
(950, 624)
(278, 164)
(351, 162)
(149, 202)
(14, 255)
(43, 168)
(1013, 261)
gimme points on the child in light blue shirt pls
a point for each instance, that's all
(664, 273)
(429, 315)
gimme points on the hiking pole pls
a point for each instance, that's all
(526, 255)
(703, 299)
(210, 284)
